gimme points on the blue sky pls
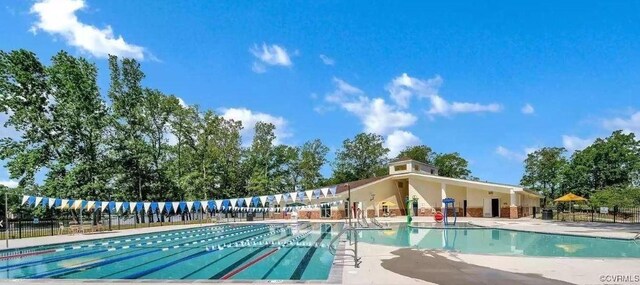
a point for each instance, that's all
(492, 80)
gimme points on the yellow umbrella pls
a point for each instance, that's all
(570, 198)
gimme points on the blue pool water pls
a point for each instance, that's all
(245, 252)
(501, 242)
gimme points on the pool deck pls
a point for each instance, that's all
(393, 265)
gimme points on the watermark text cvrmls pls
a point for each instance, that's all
(620, 278)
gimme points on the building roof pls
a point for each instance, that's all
(342, 187)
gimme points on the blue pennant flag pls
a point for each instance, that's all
(196, 205)
(211, 205)
(139, 206)
(167, 207)
(125, 207)
(112, 206)
(45, 202)
(154, 207)
(183, 206)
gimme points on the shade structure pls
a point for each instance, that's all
(387, 203)
(570, 198)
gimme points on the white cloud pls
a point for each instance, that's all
(250, 118)
(527, 109)
(9, 183)
(573, 143)
(375, 114)
(274, 55)
(399, 140)
(628, 125)
(515, 155)
(439, 106)
(327, 60)
(58, 18)
(404, 87)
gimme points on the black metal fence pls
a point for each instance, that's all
(65, 223)
(581, 213)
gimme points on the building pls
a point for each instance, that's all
(421, 184)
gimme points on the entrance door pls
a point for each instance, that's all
(464, 208)
(495, 208)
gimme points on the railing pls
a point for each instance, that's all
(38, 227)
(376, 223)
(333, 249)
(599, 214)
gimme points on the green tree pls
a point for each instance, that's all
(313, 155)
(452, 165)
(543, 169)
(259, 159)
(420, 153)
(610, 162)
(362, 157)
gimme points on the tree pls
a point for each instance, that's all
(543, 169)
(452, 165)
(610, 162)
(312, 157)
(361, 157)
(420, 153)
(24, 96)
(259, 158)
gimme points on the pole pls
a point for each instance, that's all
(349, 203)
(6, 219)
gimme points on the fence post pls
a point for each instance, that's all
(118, 221)
(20, 226)
(593, 210)
(51, 225)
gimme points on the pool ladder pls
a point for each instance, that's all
(333, 249)
(375, 222)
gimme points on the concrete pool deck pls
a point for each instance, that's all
(394, 265)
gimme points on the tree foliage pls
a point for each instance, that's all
(135, 143)
(362, 157)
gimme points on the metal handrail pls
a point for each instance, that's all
(333, 249)
(335, 239)
(375, 222)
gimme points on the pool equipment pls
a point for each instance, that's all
(445, 203)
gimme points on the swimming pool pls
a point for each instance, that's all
(245, 252)
(502, 242)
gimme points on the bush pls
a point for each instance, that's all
(627, 197)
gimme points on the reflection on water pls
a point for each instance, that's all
(501, 242)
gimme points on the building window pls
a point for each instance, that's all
(400, 167)
(416, 168)
(400, 184)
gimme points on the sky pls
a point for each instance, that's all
(492, 80)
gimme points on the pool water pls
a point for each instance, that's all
(501, 242)
(244, 252)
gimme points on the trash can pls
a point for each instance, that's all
(250, 217)
(547, 214)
